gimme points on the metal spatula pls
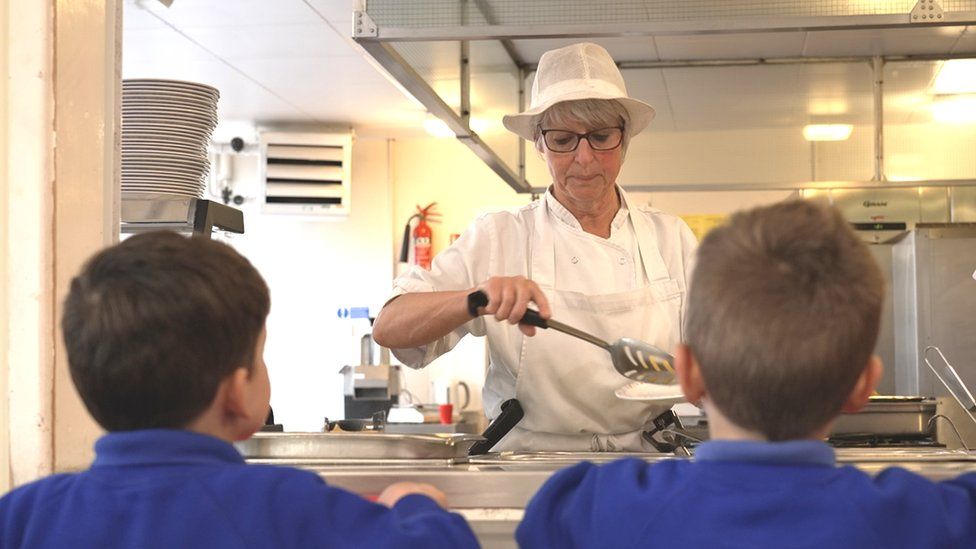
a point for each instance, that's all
(634, 359)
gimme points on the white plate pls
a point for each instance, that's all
(191, 127)
(136, 186)
(651, 392)
(149, 167)
(184, 109)
(169, 192)
(185, 162)
(154, 84)
(161, 179)
(153, 115)
(165, 151)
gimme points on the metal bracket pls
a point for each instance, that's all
(926, 11)
(363, 25)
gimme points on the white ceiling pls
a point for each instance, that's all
(292, 61)
(281, 61)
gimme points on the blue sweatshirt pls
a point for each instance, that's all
(160, 488)
(749, 494)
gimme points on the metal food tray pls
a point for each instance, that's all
(901, 455)
(354, 446)
(563, 457)
(888, 415)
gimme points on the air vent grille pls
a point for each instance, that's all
(306, 173)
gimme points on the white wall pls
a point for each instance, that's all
(316, 265)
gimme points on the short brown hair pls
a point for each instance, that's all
(152, 326)
(783, 314)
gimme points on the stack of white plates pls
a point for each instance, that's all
(166, 128)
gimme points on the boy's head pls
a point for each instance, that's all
(155, 324)
(783, 317)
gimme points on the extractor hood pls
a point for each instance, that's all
(451, 55)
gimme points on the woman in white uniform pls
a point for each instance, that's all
(584, 254)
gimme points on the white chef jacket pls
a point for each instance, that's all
(496, 244)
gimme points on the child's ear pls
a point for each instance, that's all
(689, 374)
(235, 393)
(867, 382)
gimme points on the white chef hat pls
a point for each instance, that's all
(579, 71)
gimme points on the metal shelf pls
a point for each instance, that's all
(151, 212)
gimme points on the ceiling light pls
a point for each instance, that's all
(956, 76)
(959, 109)
(437, 127)
(827, 132)
(827, 107)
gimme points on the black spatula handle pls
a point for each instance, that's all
(532, 318)
(478, 299)
(511, 414)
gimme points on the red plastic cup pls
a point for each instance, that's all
(447, 413)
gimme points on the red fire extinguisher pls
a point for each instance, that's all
(421, 236)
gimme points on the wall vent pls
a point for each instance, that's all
(306, 173)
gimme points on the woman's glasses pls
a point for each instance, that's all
(562, 141)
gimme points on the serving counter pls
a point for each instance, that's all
(492, 490)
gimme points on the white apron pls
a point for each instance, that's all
(566, 386)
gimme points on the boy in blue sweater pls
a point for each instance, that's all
(783, 315)
(165, 339)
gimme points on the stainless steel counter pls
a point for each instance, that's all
(491, 491)
(509, 480)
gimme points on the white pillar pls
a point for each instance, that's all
(27, 249)
(4, 231)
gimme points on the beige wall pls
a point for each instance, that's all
(447, 172)
(86, 195)
(58, 206)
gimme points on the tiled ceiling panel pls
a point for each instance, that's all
(221, 13)
(294, 61)
(309, 40)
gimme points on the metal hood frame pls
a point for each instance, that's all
(376, 32)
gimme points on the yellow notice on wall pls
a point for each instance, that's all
(702, 223)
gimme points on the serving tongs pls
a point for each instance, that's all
(632, 358)
(948, 376)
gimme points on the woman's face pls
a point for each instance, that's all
(584, 177)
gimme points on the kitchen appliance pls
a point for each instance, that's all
(632, 358)
(370, 388)
(934, 304)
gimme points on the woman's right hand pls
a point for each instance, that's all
(509, 297)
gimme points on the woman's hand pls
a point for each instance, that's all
(509, 297)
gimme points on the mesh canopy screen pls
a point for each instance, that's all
(445, 13)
